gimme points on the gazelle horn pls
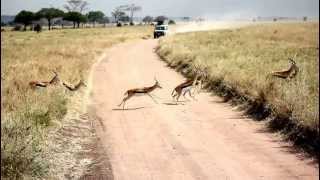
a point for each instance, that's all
(155, 79)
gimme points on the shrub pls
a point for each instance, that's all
(21, 150)
(305, 18)
(58, 106)
(171, 22)
(22, 138)
(17, 28)
(37, 28)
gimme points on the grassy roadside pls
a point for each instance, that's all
(239, 60)
(28, 114)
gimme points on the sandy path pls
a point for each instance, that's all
(203, 139)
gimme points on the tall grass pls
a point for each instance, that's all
(242, 58)
(27, 113)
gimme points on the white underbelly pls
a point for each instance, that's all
(139, 94)
(186, 89)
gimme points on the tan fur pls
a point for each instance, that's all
(188, 85)
(291, 72)
(177, 91)
(144, 91)
(54, 80)
(75, 87)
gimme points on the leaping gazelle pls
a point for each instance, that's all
(289, 73)
(139, 91)
(54, 80)
(75, 87)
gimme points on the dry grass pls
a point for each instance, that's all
(26, 112)
(30, 56)
(243, 57)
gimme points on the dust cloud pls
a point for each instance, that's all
(183, 27)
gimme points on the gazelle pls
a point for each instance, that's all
(54, 80)
(288, 73)
(75, 87)
(139, 91)
(186, 87)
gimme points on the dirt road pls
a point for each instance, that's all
(203, 139)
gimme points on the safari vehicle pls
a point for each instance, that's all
(160, 30)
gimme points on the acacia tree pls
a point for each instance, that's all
(147, 19)
(105, 20)
(83, 20)
(49, 14)
(95, 16)
(76, 6)
(24, 17)
(75, 17)
(171, 22)
(124, 18)
(132, 8)
(118, 14)
(186, 18)
(160, 19)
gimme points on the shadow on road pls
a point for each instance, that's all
(173, 104)
(127, 109)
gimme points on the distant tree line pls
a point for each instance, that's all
(27, 17)
(158, 20)
(75, 13)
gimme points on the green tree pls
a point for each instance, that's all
(24, 17)
(75, 17)
(83, 19)
(95, 16)
(49, 14)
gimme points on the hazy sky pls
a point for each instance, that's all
(194, 8)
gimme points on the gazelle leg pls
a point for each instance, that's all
(152, 98)
(124, 101)
(121, 103)
(173, 97)
(192, 96)
(185, 92)
(175, 94)
(178, 97)
(155, 96)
